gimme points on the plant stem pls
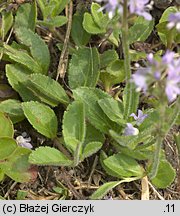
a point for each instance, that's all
(125, 45)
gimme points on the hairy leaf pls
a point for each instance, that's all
(48, 156)
(41, 117)
(6, 126)
(84, 68)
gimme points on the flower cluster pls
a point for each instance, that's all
(168, 64)
(174, 21)
(138, 7)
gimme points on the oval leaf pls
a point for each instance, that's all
(42, 118)
(84, 68)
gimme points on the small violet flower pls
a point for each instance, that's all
(174, 21)
(130, 130)
(111, 6)
(173, 80)
(140, 117)
(169, 64)
(139, 7)
(24, 142)
(140, 79)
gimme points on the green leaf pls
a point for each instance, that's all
(94, 113)
(7, 147)
(48, 156)
(38, 48)
(54, 22)
(23, 58)
(84, 68)
(99, 18)
(6, 24)
(91, 148)
(113, 74)
(107, 57)
(130, 90)
(1, 177)
(17, 166)
(165, 175)
(16, 75)
(113, 109)
(6, 126)
(90, 26)
(41, 117)
(74, 127)
(140, 30)
(103, 190)
(123, 166)
(78, 34)
(47, 89)
(132, 141)
(13, 109)
(26, 16)
(93, 135)
(164, 33)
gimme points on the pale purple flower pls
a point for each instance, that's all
(173, 80)
(24, 142)
(174, 21)
(139, 7)
(140, 117)
(111, 6)
(130, 130)
(140, 79)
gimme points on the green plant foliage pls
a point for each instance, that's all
(84, 68)
(90, 26)
(103, 190)
(47, 90)
(6, 126)
(107, 57)
(91, 148)
(37, 46)
(6, 24)
(166, 35)
(7, 147)
(141, 29)
(123, 166)
(94, 113)
(17, 166)
(21, 57)
(74, 127)
(13, 109)
(113, 74)
(26, 16)
(1, 176)
(132, 141)
(113, 109)
(54, 22)
(17, 75)
(130, 90)
(99, 18)
(78, 34)
(165, 175)
(48, 156)
(41, 117)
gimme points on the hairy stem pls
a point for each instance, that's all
(125, 44)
